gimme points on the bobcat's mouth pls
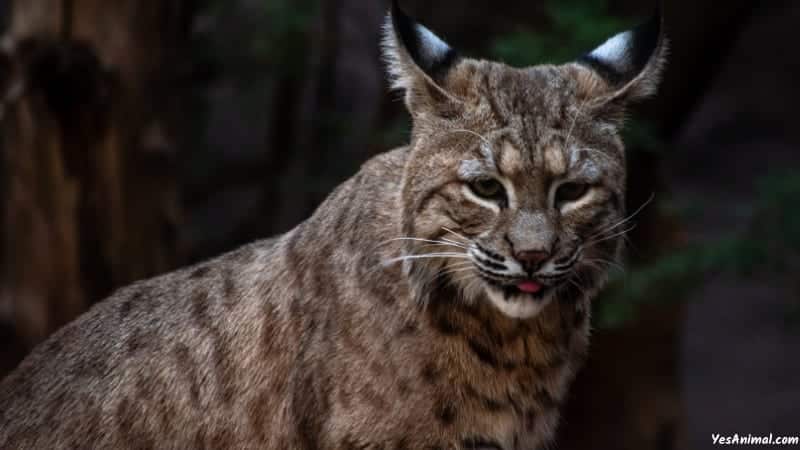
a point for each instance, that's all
(513, 289)
(520, 297)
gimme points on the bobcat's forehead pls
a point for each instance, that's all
(512, 159)
(530, 120)
(534, 118)
(538, 98)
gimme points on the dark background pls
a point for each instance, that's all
(140, 135)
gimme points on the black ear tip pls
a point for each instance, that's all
(397, 12)
(647, 38)
(403, 25)
(427, 50)
(625, 55)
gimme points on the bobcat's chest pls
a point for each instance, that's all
(504, 387)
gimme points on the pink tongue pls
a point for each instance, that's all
(529, 287)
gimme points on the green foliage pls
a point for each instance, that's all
(669, 278)
(283, 38)
(575, 27)
(778, 223)
(272, 37)
(642, 136)
(770, 246)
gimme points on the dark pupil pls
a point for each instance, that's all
(570, 191)
(488, 188)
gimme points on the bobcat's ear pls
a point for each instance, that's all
(630, 63)
(418, 62)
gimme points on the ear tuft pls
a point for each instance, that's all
(410, 47)
(631, 61)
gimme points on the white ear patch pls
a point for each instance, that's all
(410, 48)
(615, 51)
(432, 47)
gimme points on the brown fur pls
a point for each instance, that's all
(317, 339)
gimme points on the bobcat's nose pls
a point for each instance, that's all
(532, 259)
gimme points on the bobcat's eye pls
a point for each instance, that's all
(570, 192)
(488, 188)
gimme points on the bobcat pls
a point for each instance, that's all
(439, 299)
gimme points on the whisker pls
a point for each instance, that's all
(571, 260)
(478, 135)
(469, 285)
(605, 156)
(454, 242)
(431, 241)
(626, 219)
(580, 288)
(457, 265)
(457, 234)
(427, 256)
(595, 265)
(575, 121)
(615, 235)
(431, 283)
(606, 262)
(440, 245)
(452, 271)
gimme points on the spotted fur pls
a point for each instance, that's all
(392, 318)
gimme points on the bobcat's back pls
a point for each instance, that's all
(164, 357)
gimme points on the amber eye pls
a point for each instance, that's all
(570, 192)
(488, 188)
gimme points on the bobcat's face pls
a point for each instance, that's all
(526, 183)
(514, 190)
(548, 222)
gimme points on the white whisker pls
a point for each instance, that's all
(457, 234)
(478, 135)
(430, 241)
(595, 261)
(625, 220)
(427, 256)
(575, 121)
(606, 238)
(580, 288)
(452, 271)
(454, 242)
(430, 284)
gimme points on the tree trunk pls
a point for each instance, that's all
(89, 119)
(338, 106)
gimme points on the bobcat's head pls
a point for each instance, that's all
(514, 190)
